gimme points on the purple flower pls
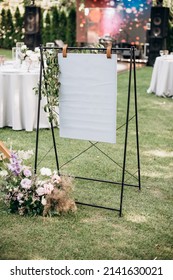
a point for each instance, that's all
(14, 159)
(15, 168)
(18, 169)
(15, 164)
(27, 173)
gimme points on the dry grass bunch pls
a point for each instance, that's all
(60, 200)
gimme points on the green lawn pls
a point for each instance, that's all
(7, 53)
(146, 229)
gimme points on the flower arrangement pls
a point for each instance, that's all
(26, 54)
(27, 194)
(29, 58)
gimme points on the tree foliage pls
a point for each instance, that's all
(71, 28)
(18, 25)
(9, 30)
(62, 26)
(46, 36)
(3, 23)
(55, 23)
(58, 23)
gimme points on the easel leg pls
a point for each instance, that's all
(55, 149)
(126, 136)
(38, 119)
(136, 118)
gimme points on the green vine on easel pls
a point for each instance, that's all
(50, 84)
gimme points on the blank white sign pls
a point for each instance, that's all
(87, 104)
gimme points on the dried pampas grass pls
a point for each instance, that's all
(60, 199)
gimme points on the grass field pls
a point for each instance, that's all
(6, 53)
(145, 231)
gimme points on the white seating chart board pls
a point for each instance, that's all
(88, 93)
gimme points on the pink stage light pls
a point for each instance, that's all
(110, 22)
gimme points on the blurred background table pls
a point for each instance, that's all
(162, 76)
(19, 104)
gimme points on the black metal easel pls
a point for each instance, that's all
(122, 183)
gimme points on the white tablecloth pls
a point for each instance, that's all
(18, 102)
(162, 77)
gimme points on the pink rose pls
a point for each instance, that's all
(40, 191)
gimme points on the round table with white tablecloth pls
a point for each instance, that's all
(162, 76)
(19, 103)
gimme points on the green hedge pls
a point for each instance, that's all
(55, 24)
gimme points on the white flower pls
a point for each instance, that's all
(20, 195)
(40, 191)
(20, 202)
(3, 173)
(29, 52)
(25, 154)
(32, 56)
(26, 183)
(23, 48)
(46, 171)
(43, 201)
(37, 50)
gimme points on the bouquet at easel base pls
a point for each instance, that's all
(25, 193)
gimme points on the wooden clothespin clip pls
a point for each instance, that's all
(64, 50)
(4, 150)
(109, 51)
